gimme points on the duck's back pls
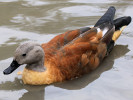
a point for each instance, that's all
(80, 51)
(62, 39)
(79, 56)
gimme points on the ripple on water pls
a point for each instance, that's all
(6, 34)
(29, 3)
(28, 20)
(8, 0)
(35, 3)
(93, 1)
(82, 10)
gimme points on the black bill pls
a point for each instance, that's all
(14, 65)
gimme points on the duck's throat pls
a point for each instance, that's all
(39, 66)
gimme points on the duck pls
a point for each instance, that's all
(71, 54)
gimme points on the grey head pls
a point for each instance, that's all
(29, 53)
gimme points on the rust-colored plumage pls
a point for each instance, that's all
(80, 55)
(70, 54)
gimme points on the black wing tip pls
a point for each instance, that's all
(112, 7)
(122, 21)
(107, 17)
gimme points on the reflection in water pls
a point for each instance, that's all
(107, 64)
(33, 92)
(34, 95)
(38, 92)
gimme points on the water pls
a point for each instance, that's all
(41, 20)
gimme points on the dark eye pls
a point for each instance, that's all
(23, 55)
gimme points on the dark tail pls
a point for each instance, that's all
(109, 26)
(122, 21)
(119, 22)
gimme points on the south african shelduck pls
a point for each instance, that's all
(70, 54)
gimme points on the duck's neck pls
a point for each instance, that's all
(37, 66)
(50, 75)
(37, 78)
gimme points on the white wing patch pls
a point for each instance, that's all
(98, 30)
(105, 31)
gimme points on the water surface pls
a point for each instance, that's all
(40, 21)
